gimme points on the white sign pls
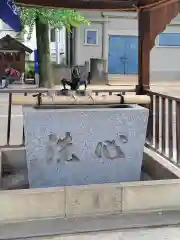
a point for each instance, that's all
(12, 6)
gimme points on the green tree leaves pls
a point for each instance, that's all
(55, 18)
(43, 18)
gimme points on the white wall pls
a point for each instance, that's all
(85, 52)
(123, 26)
(5, 29)
(165, 60)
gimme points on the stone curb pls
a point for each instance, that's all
(90, 200)
(93, 200)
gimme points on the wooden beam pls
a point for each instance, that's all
(161, 15)
(143, 50)
(142, 3)
(152, 21)
(81, 4)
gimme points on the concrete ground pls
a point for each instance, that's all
(118, 79)
(171, 87)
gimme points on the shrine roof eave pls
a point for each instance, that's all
(114, 5)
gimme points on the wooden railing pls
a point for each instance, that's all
(163, 132)
(25, 92)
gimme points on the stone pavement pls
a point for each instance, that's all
(138, 226)
(165, 233)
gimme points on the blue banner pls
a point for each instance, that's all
(36, 67)
(10, 15)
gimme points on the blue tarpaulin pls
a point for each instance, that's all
(10, 15)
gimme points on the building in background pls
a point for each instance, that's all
(58, 45)
(57, 40)
(114, 36)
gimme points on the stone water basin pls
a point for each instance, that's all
(87, 144)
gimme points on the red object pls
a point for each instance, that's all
(12, 72)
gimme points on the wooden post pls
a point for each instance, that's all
(143, 51)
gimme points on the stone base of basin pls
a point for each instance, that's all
(89, 200)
